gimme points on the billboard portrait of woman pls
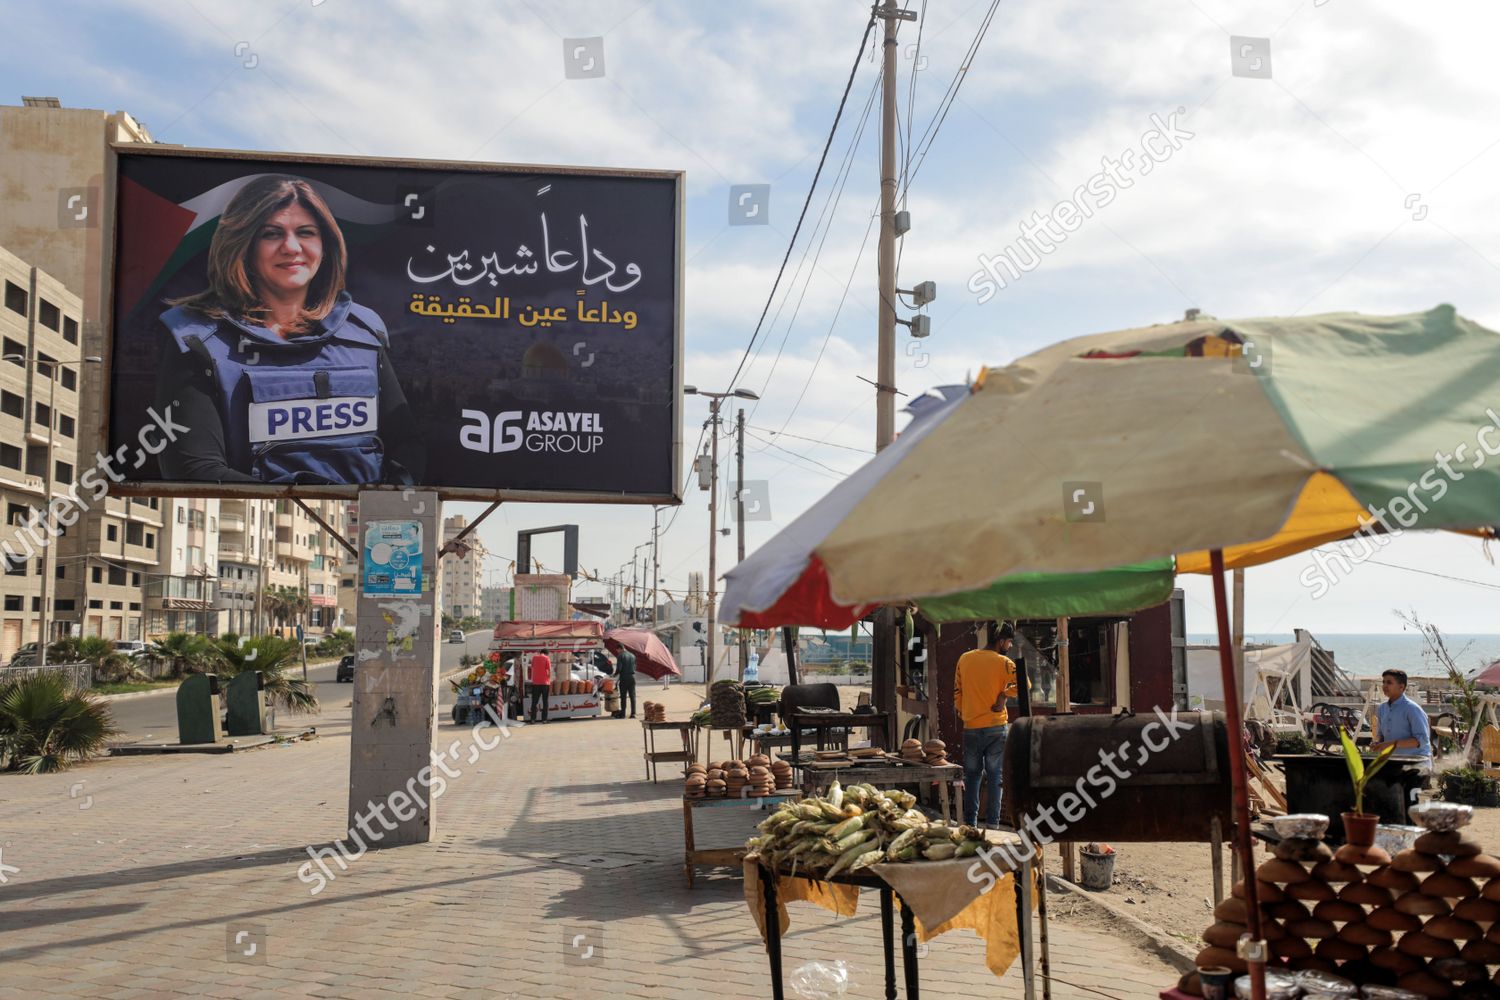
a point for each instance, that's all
(279, 376)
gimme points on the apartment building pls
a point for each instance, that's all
(54, 163)
(247, 543)
(494, 603)
(462, 576)
(181, 595)
(40, 322)
(348, 597)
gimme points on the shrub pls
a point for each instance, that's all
(1469, 786)
(1293, 743)
(46, 726)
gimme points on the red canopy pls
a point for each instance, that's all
(652, 657)
(1490, 675)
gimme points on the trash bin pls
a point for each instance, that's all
(246, 704)
(198, 710)
(1097, 871)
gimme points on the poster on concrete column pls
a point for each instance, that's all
(312, 325)
(392, 559)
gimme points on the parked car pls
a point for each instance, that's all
(132, 648)
(457, 635)
(345, 671)
(25, 656)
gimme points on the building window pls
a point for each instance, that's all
(150, 539)
(96, 604)
(10, 455)
(97, 575)
(41, 567)
(16, 514)
(14, 567)
(14, 347)
(116, 576)
(49, 315)
(36, 604)
(70, 329)
(62, 572)
(134, 534)
(135, 605)
(112, 532)
(135, 579)
(12, 601)
(154, 505)
(15, 301)
(12, 404)
(182, 515)
(44, 414)
(62, 472)
(116, 606)
(69, 379)
(64, 604)
(65, 425)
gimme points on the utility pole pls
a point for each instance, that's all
(713, 539)
(714, 399)
(655, 563)
(739, 509)
(883, 652)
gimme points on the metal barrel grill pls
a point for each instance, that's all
(1166, 783)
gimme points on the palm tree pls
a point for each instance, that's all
(184, 650)
(277, 605)
(272, 656)
(109, 664)
(45, 725)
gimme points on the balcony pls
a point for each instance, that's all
(231, 523)
(16, 479)
(231, 553)
(139, 509)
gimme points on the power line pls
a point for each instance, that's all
(1441, 576)
(848, 85)
(799, 437)
(839, 472)
(929, 135)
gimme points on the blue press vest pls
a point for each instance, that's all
(305, 410)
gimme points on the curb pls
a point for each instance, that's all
(135, 694)
(1155, 940)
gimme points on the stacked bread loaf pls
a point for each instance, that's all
(912, 750)
(655, 711)
(781, 772)
(935, 751)
(695, 785)
(736, 779)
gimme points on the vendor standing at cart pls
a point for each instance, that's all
(1401, 723)
(540, 686)
(982, 682)
(625, 677)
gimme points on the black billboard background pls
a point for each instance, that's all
(627, 377)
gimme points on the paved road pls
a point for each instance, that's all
(153, 717)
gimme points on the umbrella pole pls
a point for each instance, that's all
(1239, 781)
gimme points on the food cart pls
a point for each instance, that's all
(562, 641)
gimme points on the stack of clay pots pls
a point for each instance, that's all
(695, 786)
(936, 752)
(736, 779)
(655, 711)
(912, 750)
(1427, 920)
(781, 773)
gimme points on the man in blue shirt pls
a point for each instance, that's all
(1401, 722)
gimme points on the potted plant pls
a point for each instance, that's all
(1359, 826)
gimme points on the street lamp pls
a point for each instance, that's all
(49, 557)
(714, 400)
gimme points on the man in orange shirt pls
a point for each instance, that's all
(982, 681)
(541, 685)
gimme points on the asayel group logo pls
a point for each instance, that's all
(552, 431)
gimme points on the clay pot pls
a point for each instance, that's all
(1359, 828)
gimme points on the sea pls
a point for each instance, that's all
(1367, 654)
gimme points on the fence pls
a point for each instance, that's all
(80, 675)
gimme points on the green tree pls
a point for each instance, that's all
(110, 665)
(273, 656)
(183, 650)
(1468, 704)
(46, 726)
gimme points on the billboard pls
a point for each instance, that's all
(305, 325)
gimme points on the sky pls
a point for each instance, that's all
(1328, 156)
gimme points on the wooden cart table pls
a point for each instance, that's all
(816, 778)
(654, 756)
(728, 856)
(867, 879)
(821, 722)
(734, 738)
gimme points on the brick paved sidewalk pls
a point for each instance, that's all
(136, 882)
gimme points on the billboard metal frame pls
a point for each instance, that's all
(111, 239)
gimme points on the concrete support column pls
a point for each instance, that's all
(395, 681)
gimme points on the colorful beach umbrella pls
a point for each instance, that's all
(1079, 479)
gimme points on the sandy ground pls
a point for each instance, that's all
(1170, 886)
